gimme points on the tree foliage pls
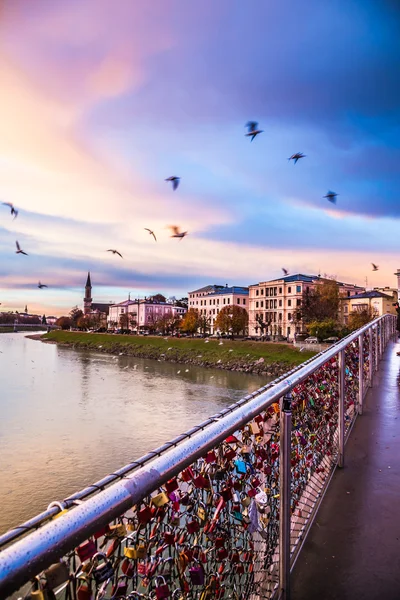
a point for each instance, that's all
(320, 303)
(190, 322)
(204, 324)
(324, 329)
(232, 319)
(359, 318)
(64, 322)
(157, 298)
(75, 314)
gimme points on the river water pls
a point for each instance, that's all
(67, 417)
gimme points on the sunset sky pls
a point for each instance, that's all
(102, 100)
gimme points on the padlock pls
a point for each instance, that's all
(222, 553)
(57, 574)
(245, 499)
(169, 537)
(102, 532)
(42, 594)
(201, 482)
(162, 590)
(196, 574)
(102, 569)
(229, 454)
(84, 588)
(145, 515)
(240, 466)
(128, 567)
(160, 499)
(171, 485)
(210, 457)
(192, 526)
(201, 512)
(120, 587)
(187, 474)
(117, 531)
(86, 550)
(138, 550)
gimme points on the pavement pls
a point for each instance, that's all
(353, 548)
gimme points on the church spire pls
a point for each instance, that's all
(87, 301)
(88, 282)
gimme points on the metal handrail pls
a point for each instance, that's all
(30, 555)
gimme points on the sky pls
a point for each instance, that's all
(101, 101)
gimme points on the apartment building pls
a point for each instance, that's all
(277, 303)
(376, 300)
(210, 299)
(145, 313)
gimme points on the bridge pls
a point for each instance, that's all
(284, 494)
(16, 326)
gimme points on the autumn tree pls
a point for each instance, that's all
(75, 314)
(360, 318)
(320, 303)
(232, 319)
(204, 324)
(64, 322)
(190, 322)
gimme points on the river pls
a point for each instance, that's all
(68, 417)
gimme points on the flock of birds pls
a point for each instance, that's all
(253, 131)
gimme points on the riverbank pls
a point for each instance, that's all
(261, 358)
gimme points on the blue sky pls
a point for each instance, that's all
(101, 101)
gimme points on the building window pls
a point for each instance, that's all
(298, 302)
(262, 291)
(213, 311)
(256, 292)
(280, 290)
(298, 316)
(256, 304)
(289, 303)
(289, 290)
(271, 303)
(122, 311)
(280, 316)
(346, 309)
(289, 316)
(238, 300)
(244, 300)
(275, 303)
(214, 301)
(307, 289)
(217, 310)
(217, 300)
(224, 300)
(210, 302)
(280, 302)
(288, 330)
(275, 291)
(262, 304)
(298, 289)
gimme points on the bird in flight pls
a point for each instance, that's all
(296, 157)
(18, 250)
(176, 232)
(374, 267)
(115, 252)
(41, 285)
(14, 211)
(175, 181)
(253, 130)
(285, 271)
(151, 233)
(331, 196)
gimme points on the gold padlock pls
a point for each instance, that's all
(255, 429)
(118, 530)
(160, 500)
(245, 500)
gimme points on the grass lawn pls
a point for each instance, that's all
(181, 349)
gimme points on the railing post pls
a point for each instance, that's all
(360, 373)
(285, 496)
(342, 367)
(371, 358)
(376, 348)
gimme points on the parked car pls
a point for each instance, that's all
(311, 340)
(331, 340)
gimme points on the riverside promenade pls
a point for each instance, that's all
(353, 548)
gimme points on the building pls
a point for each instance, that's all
(375, 301)
(210, 299)
(276, 303)
(143, 314)
(97, 309)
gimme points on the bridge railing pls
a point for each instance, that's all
(221, 511)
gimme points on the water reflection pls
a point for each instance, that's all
(70, 417)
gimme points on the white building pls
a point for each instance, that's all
(144, 314)
(210, 299)
(277, 303)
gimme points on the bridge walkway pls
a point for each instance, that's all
(353, 548)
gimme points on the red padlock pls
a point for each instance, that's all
(162, 591)
(222, 553)
(145, 515)
(193, 526)
(196, 574)
(127, 567)
(169, 537)
(102, 532)
(171, 485)
(210, 457)
(86, 550)
(120, 587)
(201, 482)
(187, 474)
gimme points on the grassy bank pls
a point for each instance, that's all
(265, 358)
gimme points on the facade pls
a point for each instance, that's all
(97, 309)
(210, 299)
(143, 314)
(375, 300)
(277, 303)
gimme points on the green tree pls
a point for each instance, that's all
(232, 319)
(324, 329)
(157, 298)
(190, 322)
(204, 324)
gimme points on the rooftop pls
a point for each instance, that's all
(222, 289)
(371, 294)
